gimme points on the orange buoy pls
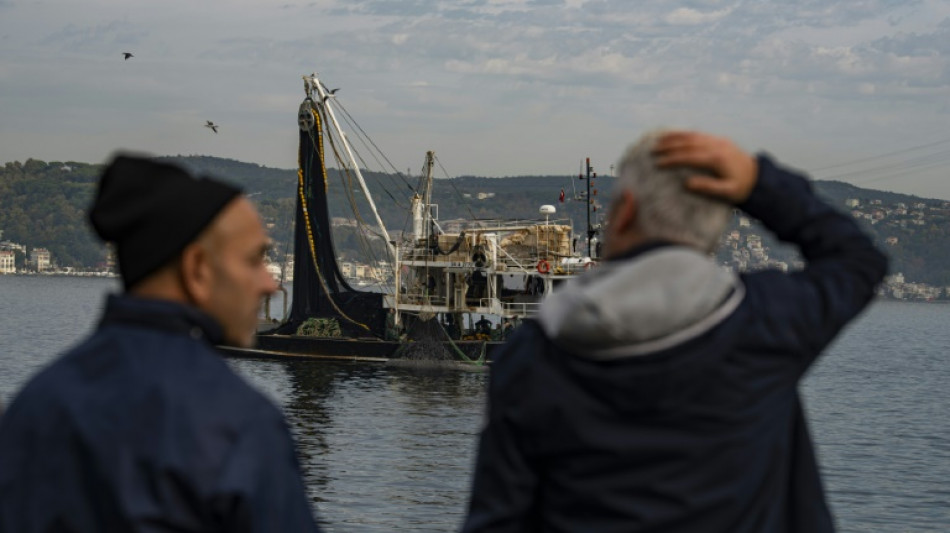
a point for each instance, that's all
(543, 266)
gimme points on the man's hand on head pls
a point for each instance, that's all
(734, 171)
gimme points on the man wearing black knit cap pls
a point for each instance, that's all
(142, 427)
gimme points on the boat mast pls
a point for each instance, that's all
(312, 83)
(427, 199)
(590, 202)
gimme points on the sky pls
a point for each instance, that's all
(853, 90)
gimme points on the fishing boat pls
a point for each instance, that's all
(458, 286)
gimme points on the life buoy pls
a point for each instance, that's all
(543, 266)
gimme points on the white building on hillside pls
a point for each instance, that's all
(40, 258)
(7, 262)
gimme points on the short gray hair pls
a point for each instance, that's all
(665, 209)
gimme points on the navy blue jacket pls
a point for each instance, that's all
(693, 426)
(144, 428)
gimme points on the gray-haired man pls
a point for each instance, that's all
(659, 391)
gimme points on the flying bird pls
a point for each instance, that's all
(330, 94)
(212, 125)
(127, 55)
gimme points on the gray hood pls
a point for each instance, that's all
(658, 300)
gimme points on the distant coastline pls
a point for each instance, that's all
(65, 274)
(885, 292)
(43, 223)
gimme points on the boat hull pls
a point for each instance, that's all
(289, 347)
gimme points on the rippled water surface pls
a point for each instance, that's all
(880, 413)
(383, 448)
(388, 449)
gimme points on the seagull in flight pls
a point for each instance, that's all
(330, 94)
(212, 125)
(127, 55)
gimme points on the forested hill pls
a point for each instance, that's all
(42, 204)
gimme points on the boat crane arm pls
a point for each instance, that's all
(313, 84)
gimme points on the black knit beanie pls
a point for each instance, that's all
(152, 210)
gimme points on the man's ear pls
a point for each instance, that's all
(196, 273)
(625, 213)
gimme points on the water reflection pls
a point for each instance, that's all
(307, 414)
(382, 448)
(435, 388)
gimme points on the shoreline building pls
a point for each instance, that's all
(40, 259)
(7, 262)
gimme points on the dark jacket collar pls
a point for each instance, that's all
(164, 315)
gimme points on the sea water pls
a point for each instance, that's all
(390, 449)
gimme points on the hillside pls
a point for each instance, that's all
(42, 204)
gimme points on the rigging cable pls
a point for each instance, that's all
(347, 184)
(346, 180)
(454, 188)
(360, 129)
(381, 166)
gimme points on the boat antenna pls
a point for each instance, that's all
(589, 179)
(573, 187)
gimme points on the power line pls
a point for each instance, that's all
(928, 160)
(881, 156)
(890, 170)
(919, 168)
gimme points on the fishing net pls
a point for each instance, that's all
(320, 327)
(429, 345)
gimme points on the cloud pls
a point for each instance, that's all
(602, 45)
(403, 8)
(900, 65)
(483, 72)
(820, 13)
(97, 38)
(935, 44)
(685, 16)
